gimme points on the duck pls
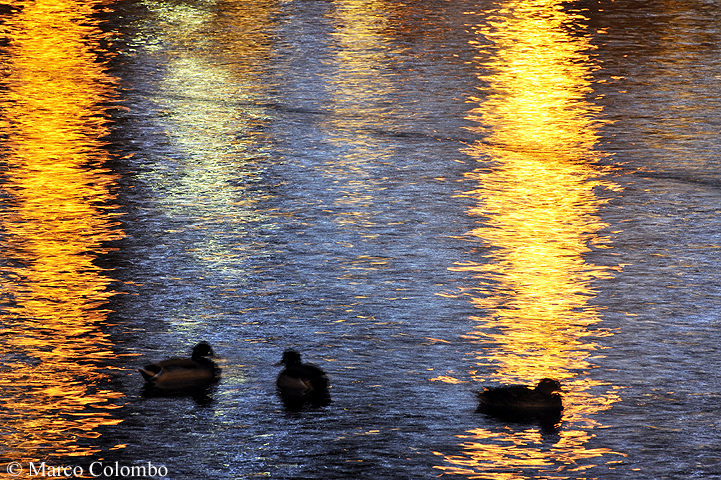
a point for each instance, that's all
(301, 384)
(183, 374)
(519, 401)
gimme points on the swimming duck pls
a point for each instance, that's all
(183, 374)
(521, 401)
(301, 384)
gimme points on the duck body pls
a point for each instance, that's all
(301, 384)
(521, 402)
(183, 374)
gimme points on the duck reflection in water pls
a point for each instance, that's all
(301, 384)
(520, 403)
(182, 376)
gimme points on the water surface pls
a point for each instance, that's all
(422, 198)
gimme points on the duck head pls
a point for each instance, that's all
(290, 357)
(202, 350)
(547, 386)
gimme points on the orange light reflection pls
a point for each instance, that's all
(360, 90)
(57, 218)
(536, 200)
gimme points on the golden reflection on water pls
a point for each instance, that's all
(56, 218)
(360, 93)
(214, 61)
(537, 209)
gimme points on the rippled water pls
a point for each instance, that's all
(422, 198)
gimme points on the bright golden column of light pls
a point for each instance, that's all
(536, 194)
(536, 200)
(56, 218)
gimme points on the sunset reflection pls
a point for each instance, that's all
(535, 193)
(57, 217)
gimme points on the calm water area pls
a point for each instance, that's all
(423, 198)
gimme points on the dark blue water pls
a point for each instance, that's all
(422, 198)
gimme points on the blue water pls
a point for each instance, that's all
(422, 198)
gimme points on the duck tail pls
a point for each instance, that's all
(149, 372)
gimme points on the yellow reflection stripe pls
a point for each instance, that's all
(57, 220)
(538, 216)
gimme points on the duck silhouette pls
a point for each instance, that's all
(518, 402)
(179, 375)
(301, 384)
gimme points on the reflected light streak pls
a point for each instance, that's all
(360, 91)
(209, 92)
(56, 219)
(535, 198)
(359, 98)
